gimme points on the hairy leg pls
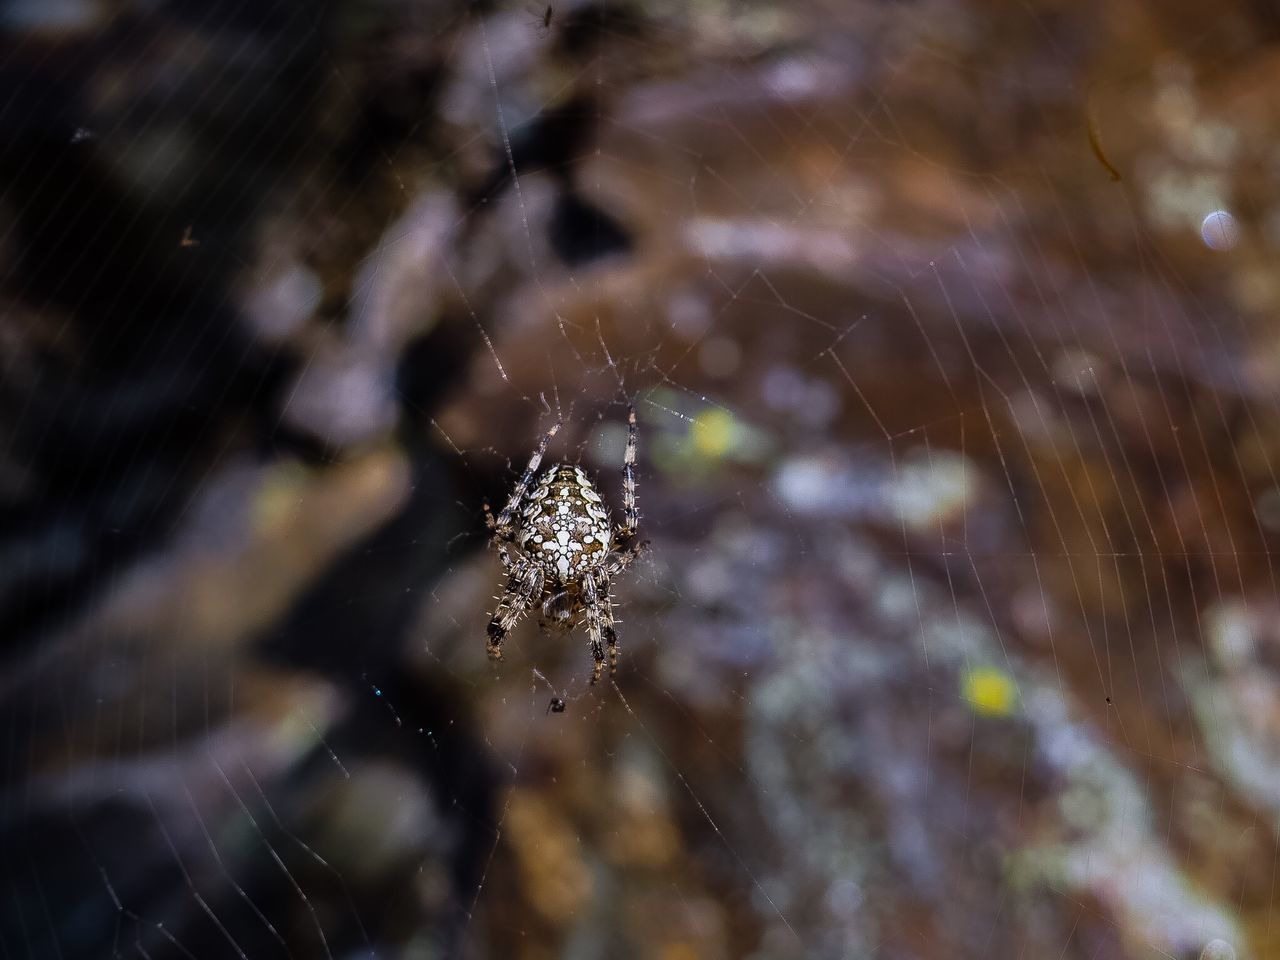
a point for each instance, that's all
(631, 516)
(595, 626)
(620, 559)
(502, 526)
(607, 622)
(523, 588)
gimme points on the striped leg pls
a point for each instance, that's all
(502, 525)
(595, 626)
(619, 560)
(524, 587)
(631, 517)
(607, 622)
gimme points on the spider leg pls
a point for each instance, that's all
(631, 517)
(619, 559)
(503, 540)
(523, 588)
(595, 625)
(503, 524)
(506, 550)
(607, 622)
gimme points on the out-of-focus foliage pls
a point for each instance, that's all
(956, 637)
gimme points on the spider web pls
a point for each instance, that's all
(945, 329)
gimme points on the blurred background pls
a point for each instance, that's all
(951, 328)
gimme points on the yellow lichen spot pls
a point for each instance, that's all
(712, 434)
(989, 691)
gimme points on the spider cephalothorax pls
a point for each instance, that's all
(560, 550)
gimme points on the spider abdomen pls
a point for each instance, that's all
(565, 525)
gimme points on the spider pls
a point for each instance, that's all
(560, 549)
